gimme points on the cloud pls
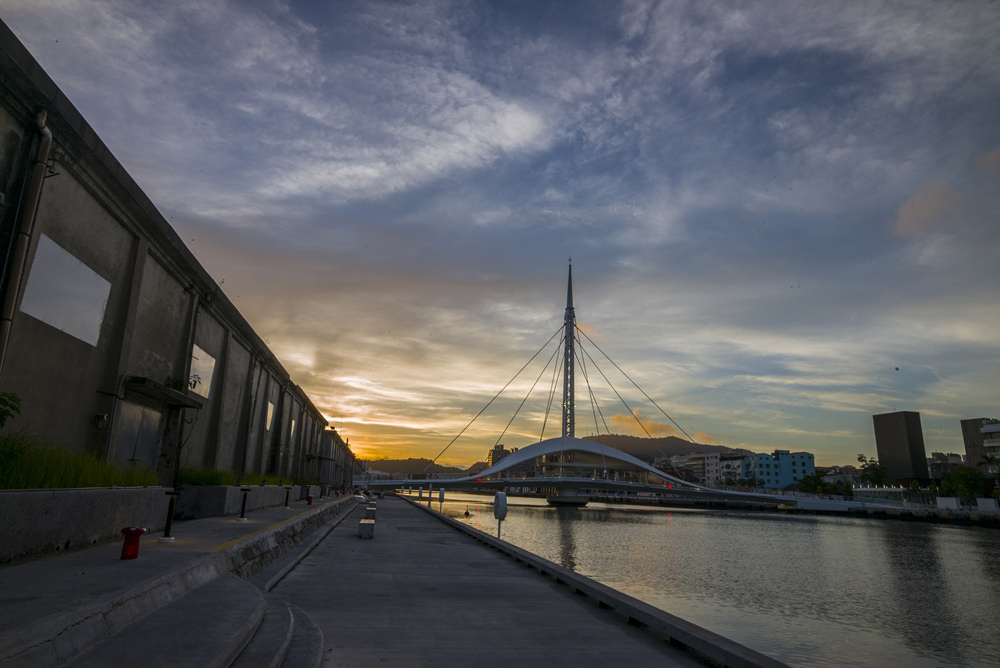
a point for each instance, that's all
(990, 161)
(636, 424)
(936, 206)
(390, 191)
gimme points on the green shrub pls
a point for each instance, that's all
(214, 477)
(27, 463)
(10, 405)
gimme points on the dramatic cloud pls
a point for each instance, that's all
(640, 426)
(771, 207)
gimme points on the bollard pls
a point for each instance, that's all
(309, 499)
(243, 506)
(166, 537)
(288, 489)
(130, 549)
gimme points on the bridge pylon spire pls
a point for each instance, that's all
(569, 337)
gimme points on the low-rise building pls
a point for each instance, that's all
(731, 468)
(705, 467)
(780, 469)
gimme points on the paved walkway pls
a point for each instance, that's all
(423, 594)
(420, 593)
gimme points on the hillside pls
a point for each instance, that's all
(648, 449)
(418, 465)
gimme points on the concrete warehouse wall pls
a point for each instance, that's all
(44, 521)
(116, 339)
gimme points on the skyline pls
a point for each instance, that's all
(782, 218)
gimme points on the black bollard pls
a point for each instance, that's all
(166, 537)
(288, 489)
(243, 508)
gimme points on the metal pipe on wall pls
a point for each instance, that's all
(25, 229)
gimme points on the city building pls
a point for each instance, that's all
(780, 469)
(731, 468)
(497, 454)
(940, 463)
(991, 445)
(899, 441)
(705, 467)
(974, 433)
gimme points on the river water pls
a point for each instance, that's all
(810, 591)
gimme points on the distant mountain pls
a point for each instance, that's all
(648, 449)
(420, 465)
(411, 466)
(476, 468)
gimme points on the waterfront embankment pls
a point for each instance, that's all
(811, 590)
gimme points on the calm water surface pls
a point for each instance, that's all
(807, 590)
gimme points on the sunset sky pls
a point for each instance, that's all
(784, 217)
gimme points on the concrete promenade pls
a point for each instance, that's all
(421, 593)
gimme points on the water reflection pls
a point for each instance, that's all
(917, 597)
(810, 591)
(565, 518)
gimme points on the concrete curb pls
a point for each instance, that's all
(224, 630)
(65, 635)
(700, 641)
(267, 579)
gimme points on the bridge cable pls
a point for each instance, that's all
(639, 388)
(556, 372)
(554, 353)
(629, 408)
(594, 406)
(483, 410)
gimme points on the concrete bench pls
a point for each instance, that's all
(366, 528)
(370, 513)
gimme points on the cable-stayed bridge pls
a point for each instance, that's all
(570, 470)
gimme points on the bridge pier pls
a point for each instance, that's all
(567, 496)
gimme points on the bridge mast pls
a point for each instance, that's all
(568, 355)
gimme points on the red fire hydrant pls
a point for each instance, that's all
(130, 549)
(309, 499)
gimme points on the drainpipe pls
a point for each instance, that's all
(26, 227)
(185, 376)
(253, 399)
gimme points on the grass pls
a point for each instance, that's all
(27, 463)
(214, 477)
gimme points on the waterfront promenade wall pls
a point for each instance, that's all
(114, 336)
